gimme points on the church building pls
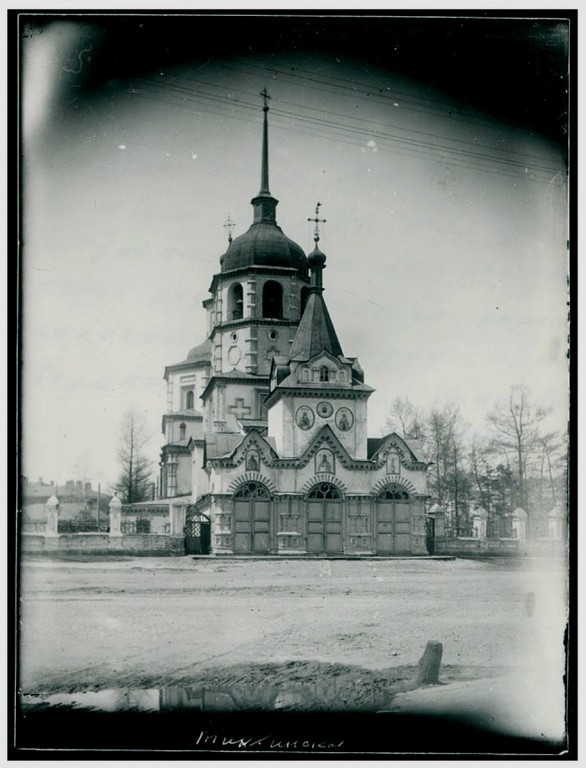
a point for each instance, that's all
(266, 421)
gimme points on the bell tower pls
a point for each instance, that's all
(254, 310)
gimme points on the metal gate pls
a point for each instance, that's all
(197, 534)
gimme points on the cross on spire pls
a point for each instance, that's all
(229, 227)
(265, 98)
(317, 222)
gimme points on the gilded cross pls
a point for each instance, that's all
(317, 222)
(229, 226)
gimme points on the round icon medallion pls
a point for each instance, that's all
(344, 419)
(304, 417)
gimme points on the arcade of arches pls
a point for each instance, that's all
(323, 520)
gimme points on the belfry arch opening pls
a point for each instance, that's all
(303, 300)
(272, 300)
(235, 302)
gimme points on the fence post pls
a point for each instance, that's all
(115, 513)
(429, 664)
(52, 510)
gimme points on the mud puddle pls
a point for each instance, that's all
(291, 686)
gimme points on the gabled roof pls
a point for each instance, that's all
(224, 445)
(221, 444)
(253, 425)
(316, 331)
(375, 444)
(291, 382)
(416, 448)
(233, 375)
(187, 414)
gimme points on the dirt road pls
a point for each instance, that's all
(144, 622)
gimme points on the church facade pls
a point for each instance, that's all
(266, 420)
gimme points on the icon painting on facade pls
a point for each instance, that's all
(344, 419)
(304, 417)
(393, 464)
(324, 461)
(252, 462)
(324, 410)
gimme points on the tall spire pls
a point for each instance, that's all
(316, 330)
(264, 175)
(264, 204)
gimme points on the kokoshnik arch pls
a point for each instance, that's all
(266, 420)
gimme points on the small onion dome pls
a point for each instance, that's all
(201, 353)
(316, 258)
(53, 501)
(265, 245)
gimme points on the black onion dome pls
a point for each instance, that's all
(264, 244)
(316, 258)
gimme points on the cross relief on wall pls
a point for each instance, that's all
(239, 409)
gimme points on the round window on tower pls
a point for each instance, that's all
(234, 336)
(273, 335)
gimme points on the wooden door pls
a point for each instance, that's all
(393, 528)
(324, 526)
(252, 525)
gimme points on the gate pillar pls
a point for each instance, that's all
(177, 512)
(115, 514)
(52, 511)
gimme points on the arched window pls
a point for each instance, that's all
(252, 491)
(189, 400)
(324, 373)
(303, 300)
(182, 429)
(236, 302)
(272, 300)
(324, 491)
(396, 492)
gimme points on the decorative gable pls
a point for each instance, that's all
(324, 369)
(252, 451)
(395, 453)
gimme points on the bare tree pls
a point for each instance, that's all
(405, 418)
(445, 448)
(516, 434)
(135, 483)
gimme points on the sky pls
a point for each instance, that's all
(442, 184)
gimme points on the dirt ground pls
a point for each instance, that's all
(146, 623)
